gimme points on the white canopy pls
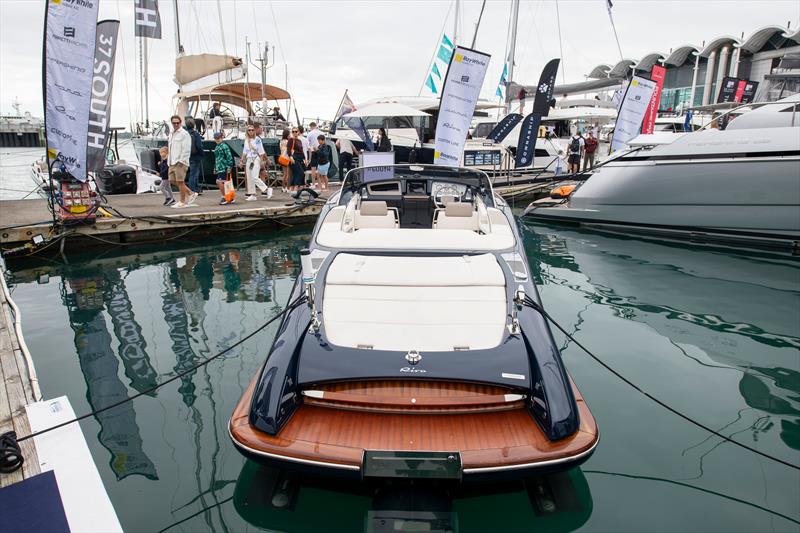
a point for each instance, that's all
(387, 109)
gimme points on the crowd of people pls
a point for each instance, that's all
(301, 154)
(579, 148)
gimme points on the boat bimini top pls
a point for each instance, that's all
(415, 281)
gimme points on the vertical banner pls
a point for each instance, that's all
(727, 92)
(657, 76)
(69, 36)
(631, 111)
(504, 127)
(105, 48)
(147, 20)
(462, 86)
(749, 92)
(544, 91)
(526, 145)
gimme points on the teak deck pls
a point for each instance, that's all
(339, 435)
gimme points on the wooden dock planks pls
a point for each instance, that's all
(15, 393)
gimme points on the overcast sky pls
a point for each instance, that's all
(376, 48)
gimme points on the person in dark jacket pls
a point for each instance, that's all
(163, 171)
(195, 159)
(383, 143)
(294, 148)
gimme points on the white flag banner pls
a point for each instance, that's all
(462, 85)
(70, 30)
(631, 112)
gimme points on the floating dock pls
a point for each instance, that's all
(139, 218)
(58, 487)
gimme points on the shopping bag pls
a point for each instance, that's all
(229, 192)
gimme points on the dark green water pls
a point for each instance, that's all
(715, 334)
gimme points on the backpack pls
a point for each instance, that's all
(197, 143)
(575, 145)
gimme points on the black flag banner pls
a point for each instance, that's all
(105, 50)
(504, 127)
(526, 145)
(147, 19)
(544, 91)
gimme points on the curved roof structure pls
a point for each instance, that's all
(793, 35)
(648, 60)
(759, 38)
(236, 93)
(599, 72)
(679, 55)
(717, 43)
(620, 70)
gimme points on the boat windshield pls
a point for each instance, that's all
(417, 180)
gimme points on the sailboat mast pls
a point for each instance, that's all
(178, 45)
(145, 84)
(455, 23)
(512, 45)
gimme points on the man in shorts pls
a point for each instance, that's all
(575, 150)
(180, 147)
(313, 143)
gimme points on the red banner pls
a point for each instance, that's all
(657, 76)
(739, 91)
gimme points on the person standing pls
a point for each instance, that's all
(313, 143)
(346, 153)
(283, 146)
(195, 159)
(383, 144)
(216, 118)
(252, 158)
(306, 151)
(179, 145)
(324, 157)
(591, 144)
(294, 149)
(163, 171)
(576, 146)
(223, 163)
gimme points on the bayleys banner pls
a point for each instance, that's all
(462, 86)
(70, 29)
(105, 49)
(631, 111)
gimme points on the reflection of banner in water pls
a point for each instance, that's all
(132, 345)
(178, 327)
(119, 433)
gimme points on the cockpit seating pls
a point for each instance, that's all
(456, 215)
(376, 214)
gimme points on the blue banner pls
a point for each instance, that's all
(444, 54)
(430, 84)
(435, 70)
(504, 127)
(526, 144)
(359, 128)
(446, 41)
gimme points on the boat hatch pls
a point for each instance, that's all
(428, 304)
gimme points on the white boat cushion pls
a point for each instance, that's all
(422, 303)
(373, 208)
(375, 214)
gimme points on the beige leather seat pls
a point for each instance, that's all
(375, 214)
(456, 215)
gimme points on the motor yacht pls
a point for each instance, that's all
(738, 185)
(413, 347)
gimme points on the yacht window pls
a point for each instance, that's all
(791, 109)
(540, 152)
(484, 129)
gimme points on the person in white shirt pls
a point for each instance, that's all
(253, 156)
(347, 151)
(180, 148)
(313, 144)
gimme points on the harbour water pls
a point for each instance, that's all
(714, 334)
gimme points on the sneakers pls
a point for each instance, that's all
(169, 202)
(222, 201)
(178, 205)
(192, 198)
(251, 198)
(233, 201)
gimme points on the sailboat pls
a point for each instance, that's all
(204, 79)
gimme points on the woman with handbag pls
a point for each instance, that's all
(297, 167)
(284, 160)
(253, 156)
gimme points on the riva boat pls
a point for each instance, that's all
(740, 185)
(410, 350)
